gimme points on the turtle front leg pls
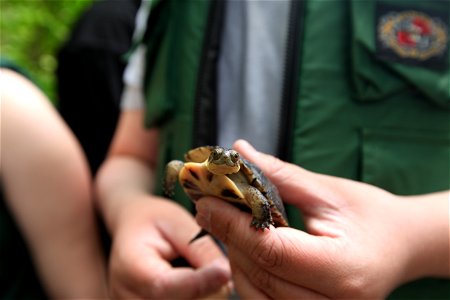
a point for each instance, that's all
(260, 207)
(173, 168)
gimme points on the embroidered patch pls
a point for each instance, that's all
(412, 36)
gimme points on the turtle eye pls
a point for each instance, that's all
(234, 156)
(217, 153)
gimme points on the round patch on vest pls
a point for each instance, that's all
(413, 34)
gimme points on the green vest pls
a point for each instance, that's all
(354, 105)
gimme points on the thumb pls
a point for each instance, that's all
(296, 185)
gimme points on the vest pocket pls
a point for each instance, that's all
(405, 162)
(400, 48)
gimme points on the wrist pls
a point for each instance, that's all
(427, 236)
(121, 183)
(137, 211)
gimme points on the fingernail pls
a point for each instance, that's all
(221, 262)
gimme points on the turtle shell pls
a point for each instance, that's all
(197, 181)
(257, 179)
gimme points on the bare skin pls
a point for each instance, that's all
(361, 241)
(149, 231)
(48, 189)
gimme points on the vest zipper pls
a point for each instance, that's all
(205, 110)
(290, 80)
(205, 107)
(290, 95)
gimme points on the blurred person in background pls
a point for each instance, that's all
(48, 232)
(89, 74)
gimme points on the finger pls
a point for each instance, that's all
(202, 253)
(148, 272)
(205, 250)
(282, 251)
(188, 283)
(160, 280)
(296, 185)
(225, 226)
(281, 173)
(179, 232)
(252, 277)
(185, 283)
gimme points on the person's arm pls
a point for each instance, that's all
(361, 241)
(149, 231)
(48, 190)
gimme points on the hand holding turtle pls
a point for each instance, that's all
(362, 241)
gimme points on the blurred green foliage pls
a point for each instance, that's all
(32, 31)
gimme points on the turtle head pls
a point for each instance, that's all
(222, 161)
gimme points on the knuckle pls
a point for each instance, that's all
(353, 282)
(226, 232)
(264, 280)
(267, 254)
(157, 287)
(352, 286)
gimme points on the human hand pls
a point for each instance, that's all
(361, 241)
(153, 232)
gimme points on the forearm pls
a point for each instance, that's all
(428, 232)
(48, 190)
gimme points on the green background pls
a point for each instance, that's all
(32, 31)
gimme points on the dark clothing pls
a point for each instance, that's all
(91, 64)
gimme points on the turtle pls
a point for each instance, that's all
(223, 173)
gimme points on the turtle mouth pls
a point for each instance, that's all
(222, 168)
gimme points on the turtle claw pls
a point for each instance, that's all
(168, 189)
(260, 224)
(201, 234)
(262, 217)
(169, 194)
(171, 177)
